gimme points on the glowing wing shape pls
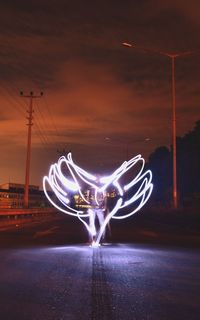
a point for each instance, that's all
(133, 185)
(64, 179)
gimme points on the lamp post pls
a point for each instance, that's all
(172, 56)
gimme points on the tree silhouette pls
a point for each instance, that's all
(188, 160)
(160, 164)
(188, 169)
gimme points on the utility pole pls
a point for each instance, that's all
(30, 111)
(175, 195)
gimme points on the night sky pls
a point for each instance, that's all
(102, 101)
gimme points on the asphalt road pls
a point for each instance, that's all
(118, 281)
(60, 229)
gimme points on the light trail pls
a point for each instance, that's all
(135, 192)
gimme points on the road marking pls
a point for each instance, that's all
(101, 292)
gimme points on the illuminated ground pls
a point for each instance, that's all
(114, 282)
(47, 271)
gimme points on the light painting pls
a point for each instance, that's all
(66, 178)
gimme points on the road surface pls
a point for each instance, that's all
(115, 281)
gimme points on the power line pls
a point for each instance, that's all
(47, 129)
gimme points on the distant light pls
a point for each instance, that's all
(126, 44)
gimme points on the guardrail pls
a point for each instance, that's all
(29, 211)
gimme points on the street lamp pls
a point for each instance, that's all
(172, 56)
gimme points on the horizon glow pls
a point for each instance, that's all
(63, 189)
